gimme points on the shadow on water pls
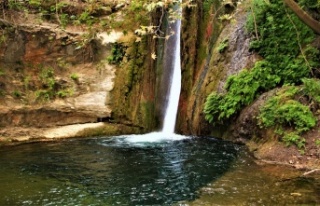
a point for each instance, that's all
(112, 171)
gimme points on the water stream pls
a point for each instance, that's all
(175, 85)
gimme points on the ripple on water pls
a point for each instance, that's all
(130, 170)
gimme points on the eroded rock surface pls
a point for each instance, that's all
(53, 77)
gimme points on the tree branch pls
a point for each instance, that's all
(304, 16)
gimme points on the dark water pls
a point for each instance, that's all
(111, 171)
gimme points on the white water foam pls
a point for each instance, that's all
(154, 137)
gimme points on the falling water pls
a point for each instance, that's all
(175, 86)
(174, 70)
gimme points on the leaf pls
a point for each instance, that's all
(138, 39)
(153, 56)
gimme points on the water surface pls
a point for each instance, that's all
(131, 171)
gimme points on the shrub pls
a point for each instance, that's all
(311, 88)
(279, 43)
(74, 77)
(223, 45)
(288, 116)
(117, 53)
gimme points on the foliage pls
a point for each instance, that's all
(35, 3)
(16, 5)
(242, 89)
(311, 88)
(47, 77)
(43, 95)
(74, 76)
(117, 53)
(285, 113)
(310, 4)
(294, 138)
(64, 93)
(86, 18)
(285, 62)
(211, 107)
(50, 89)
(223, 45)
(16, 94)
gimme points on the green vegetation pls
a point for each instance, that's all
(49, 87)
(289, 59)
(317, 143)
(74, 77)
(16, 94)
(289, 117)
(223, 45)
(312, 89)
(242, 89)
(117, 53)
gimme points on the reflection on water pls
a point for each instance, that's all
(111, 171)
(247, 183)
(120, 171)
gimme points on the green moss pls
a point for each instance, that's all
(284, 62)
(289, 117)
(108, 129)
(148, 109)
(223, 45)
(126, 94)
(117, 53)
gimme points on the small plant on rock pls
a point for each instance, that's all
(74, 77)
(223, 45)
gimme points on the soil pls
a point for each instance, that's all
(275, 152)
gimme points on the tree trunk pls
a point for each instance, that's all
(304, 16)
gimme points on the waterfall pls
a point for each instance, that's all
(172, 86)
(170, 117)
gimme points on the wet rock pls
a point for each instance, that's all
(246, 125)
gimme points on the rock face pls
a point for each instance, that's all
(219, 49)
(53, 76)
(30, 52)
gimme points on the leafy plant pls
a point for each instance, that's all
(295, 139)
(311, 87)
(241, 90)
(286, 114)
(278, 42)
(35, 3)
(47, 78)
(74, 77)
(44, 95)
(64, 19)
(16, 5)
(117, 53)
(223, 45)
(16, 94)
(86, 18)
(64, 93)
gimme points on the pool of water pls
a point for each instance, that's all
(127, 171)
